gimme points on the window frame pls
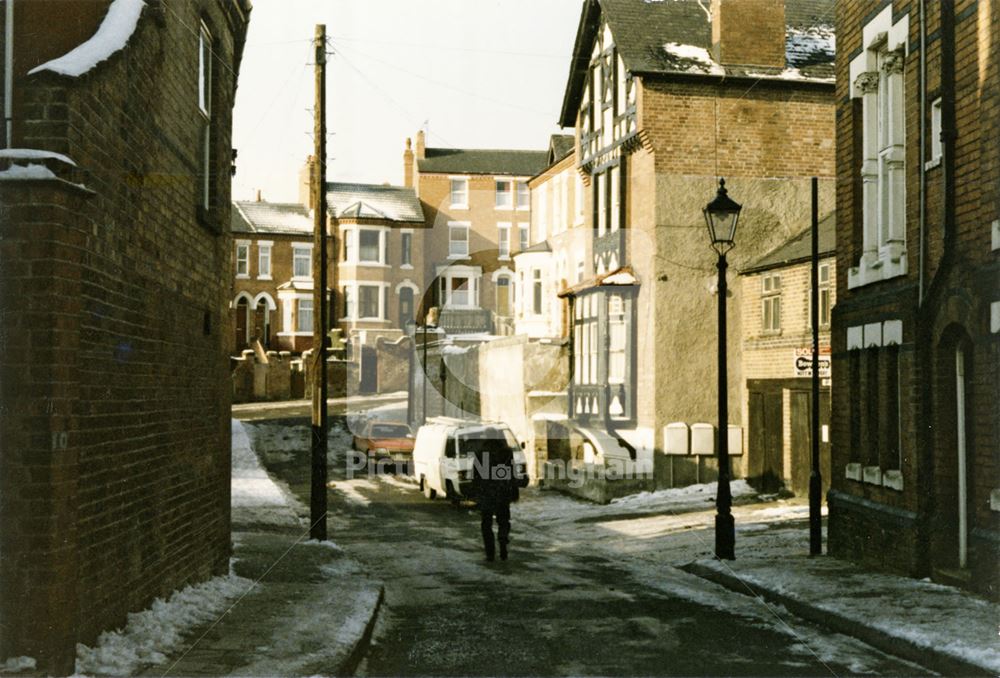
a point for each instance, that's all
(522, 195)
(301, 312)
(503, 198)
(265, 253)
(503, 240)
(301, 251)
(406, 249)
(463, 193)
(458, 226)
(243, 245)
(770, 300)
(363, 289)
(379, 247)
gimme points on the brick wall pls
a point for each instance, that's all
(115, 464)
(773, 130)
(943, 309)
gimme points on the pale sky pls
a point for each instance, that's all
(477, 73)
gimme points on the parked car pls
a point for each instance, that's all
(385, 440)
(445, 452)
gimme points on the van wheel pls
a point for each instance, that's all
(428, 491)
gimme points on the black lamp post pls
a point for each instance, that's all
(721, 216)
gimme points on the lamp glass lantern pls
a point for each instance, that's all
(721, 217)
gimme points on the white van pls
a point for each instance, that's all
(443, 455)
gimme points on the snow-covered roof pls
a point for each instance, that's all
(290, 218)
(111, 36)
(374, 201)
(674, 37)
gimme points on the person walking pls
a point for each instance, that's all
(496, 487)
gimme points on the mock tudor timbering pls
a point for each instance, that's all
(665, 100)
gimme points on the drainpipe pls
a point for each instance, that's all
(923, 136)
(8, 72)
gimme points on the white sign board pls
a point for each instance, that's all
(803, 362)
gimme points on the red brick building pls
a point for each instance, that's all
(114, 245)
(916, 426)
(666, 97)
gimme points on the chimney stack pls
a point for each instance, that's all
(306, 177)
(420, 145)
(258, 196)
(749, 32)
(408, 164)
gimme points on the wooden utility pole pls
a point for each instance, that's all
(317, 495)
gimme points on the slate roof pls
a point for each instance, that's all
(560, 145)
(799, 248)
(270, 217)
(482, 161)
(643, 29)
(374, 201)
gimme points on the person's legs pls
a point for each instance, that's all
(503, 528)
(486, 525)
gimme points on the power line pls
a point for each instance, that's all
(449, 48)
(446, 85)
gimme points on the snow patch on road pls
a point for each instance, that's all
(350, 490)
(150, 636)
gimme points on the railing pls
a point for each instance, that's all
(465, 321)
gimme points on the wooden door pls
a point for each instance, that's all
(801, 441)
(766, 441)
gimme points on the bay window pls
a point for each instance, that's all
(369, 246)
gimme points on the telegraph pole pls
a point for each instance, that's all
(317, 495)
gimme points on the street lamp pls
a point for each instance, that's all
(721, 216)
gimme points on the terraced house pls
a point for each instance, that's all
(375, 265)
(666, 97)
(916, 430)
(477, 207)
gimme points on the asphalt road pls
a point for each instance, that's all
(559, 606)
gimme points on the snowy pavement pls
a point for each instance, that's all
(289, 606)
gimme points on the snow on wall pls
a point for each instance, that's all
(112, 35)
(26, 173)
(33, 154)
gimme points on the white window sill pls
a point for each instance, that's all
(295, 334)
(889, 262)
(505, 257)
(852, 472)
(406, 267)
(931, 164)
(264, 277)
(893, 480)
(371, 264)
(302, 278)
(457, 257)
(500, 208)
(242, 276)
(871, 475)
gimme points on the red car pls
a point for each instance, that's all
(385, 440)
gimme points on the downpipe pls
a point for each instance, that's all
(8, 73)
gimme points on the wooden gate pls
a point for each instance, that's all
(766, 441)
